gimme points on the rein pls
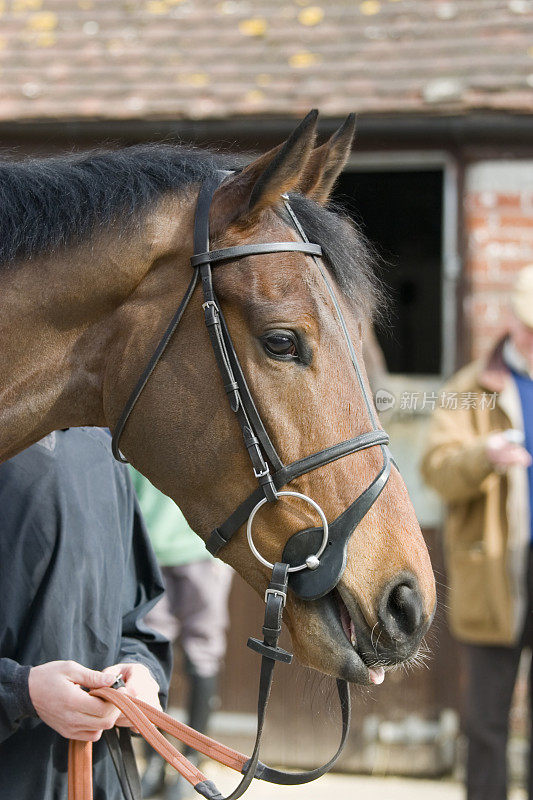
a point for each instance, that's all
(313, 559)
(149, 721)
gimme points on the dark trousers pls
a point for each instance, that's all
(491, 678)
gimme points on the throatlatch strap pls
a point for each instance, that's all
(152, 364)
(204, 201)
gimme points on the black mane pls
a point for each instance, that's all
(50, 203)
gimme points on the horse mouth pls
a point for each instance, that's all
(361, 664)
(376, 672)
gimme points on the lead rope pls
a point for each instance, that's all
(147, 720)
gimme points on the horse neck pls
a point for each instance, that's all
(62, 315)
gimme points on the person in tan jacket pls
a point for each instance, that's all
(478, 458)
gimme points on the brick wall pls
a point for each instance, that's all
(499, 241)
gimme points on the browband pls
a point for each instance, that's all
(230, 253)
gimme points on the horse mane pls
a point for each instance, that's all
(57, 202)
(49, 203)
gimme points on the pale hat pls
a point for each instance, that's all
(522, 296)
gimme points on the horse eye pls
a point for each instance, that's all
(280, 344)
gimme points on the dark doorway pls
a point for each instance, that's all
(401, 213)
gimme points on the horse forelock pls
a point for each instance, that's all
(347, 253)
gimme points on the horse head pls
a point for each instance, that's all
(296, 323)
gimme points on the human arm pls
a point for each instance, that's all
(47, 562)
(15, 701)
(459, 457)
(56, 688)
(456, 470)
(53, 692)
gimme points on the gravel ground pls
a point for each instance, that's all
(333, 787)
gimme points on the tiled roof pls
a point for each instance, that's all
(204, 59)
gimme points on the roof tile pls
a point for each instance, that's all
(198, 59)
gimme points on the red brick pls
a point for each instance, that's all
(509, 201)
(517, 221)
(487, 201)
(499, 239)
(479, 221)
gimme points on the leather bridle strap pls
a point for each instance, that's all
(254, 433)
(118, 741)
(231, 253)
(255, 436)
(147, 720)
(214, 328)
(152, 364)
(240, 399)
(201, 262)
(80, 770)
(221, 535)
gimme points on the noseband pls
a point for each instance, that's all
(314, 559)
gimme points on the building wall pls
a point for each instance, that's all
(498, 219)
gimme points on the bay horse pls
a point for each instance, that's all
(95, 251)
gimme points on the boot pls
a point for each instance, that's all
(153, 777)
(202, 697)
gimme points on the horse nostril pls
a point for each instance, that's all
(401, 611)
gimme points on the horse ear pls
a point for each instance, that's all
(326, 163)
(261, 183)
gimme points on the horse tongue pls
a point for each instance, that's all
(377, 675)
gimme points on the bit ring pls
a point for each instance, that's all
(313, 559)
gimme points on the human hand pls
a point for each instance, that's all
(503, 453)
(58, 698)
(139, 683)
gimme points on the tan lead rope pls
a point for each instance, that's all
(80, 770)
(145, 718)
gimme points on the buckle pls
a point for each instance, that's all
(119, 682)
(211, 313)
(261, 473)
(277, 593)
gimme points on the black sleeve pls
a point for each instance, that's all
(22, 555)
(143, 587)
(15, 702)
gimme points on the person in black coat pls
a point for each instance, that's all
(77, 575)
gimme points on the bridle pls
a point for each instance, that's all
(313, 559)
